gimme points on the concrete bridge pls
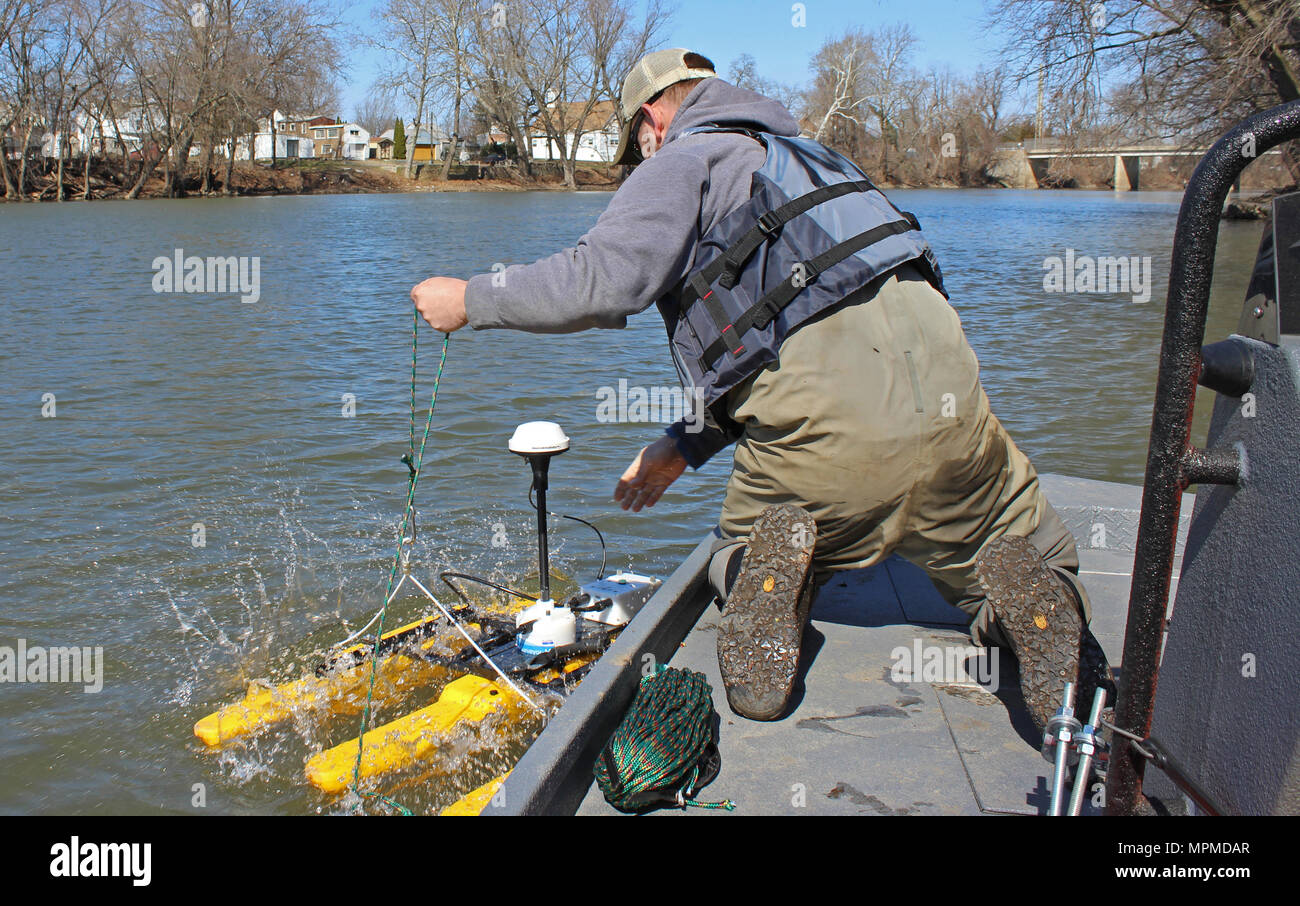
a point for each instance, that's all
(1025, 163)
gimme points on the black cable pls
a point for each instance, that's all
(601, 574)
(448, 575)
(599, 536)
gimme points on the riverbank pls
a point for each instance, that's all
(1255, 207)
(334, 177)
(308, 177)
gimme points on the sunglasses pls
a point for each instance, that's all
(634, 139)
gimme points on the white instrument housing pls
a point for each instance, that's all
(538, 439)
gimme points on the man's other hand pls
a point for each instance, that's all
(441, 302)
(654, 469)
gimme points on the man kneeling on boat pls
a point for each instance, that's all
(809, 315)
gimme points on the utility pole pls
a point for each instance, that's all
(1038, 117)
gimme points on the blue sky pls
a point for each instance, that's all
(949, 31)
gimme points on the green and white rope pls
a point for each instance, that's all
(661, 742)
(403, 538)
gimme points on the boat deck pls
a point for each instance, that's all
(856, 741)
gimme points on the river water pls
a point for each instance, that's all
(216, 492)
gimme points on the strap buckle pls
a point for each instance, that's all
(769, 223)
(730, 273)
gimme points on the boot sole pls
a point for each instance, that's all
(1040, 617)
(761, 630)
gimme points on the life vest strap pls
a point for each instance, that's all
(761, 313)
(711, 303)
(725, 269)
(731, 261)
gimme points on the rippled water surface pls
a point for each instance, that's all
(176, 410)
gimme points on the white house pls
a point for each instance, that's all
(104, 135)
(286, 146)
(598, 142)
(355, 142)
(289, 142)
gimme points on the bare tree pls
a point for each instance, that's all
(743, 73)
(1192, 66)
(947, 129)
(37, 50)
(546, 38)
(901, 125)
(453, 53)
(105, 64)
(169, 79)
(497, 86)
(295, 57)
(567, 56)
(887, 84)
(839, 89)
(376, 112)
(409, 38)
(988, 96)
(624, 42)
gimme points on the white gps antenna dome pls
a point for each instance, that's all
(537, 442)
(538, 438)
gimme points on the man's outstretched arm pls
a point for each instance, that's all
(640, 248)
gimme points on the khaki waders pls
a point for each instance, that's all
(875, 422)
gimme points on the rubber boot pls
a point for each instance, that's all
(1039, 615)
(724, 565)
(761, 631)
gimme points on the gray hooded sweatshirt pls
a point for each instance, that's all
(644, 243)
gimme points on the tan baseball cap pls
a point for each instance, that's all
(649, 76)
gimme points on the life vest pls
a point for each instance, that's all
(814, 230)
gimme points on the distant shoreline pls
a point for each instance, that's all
(332, 177)
(311, 177)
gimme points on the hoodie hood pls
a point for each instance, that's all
(716, 102)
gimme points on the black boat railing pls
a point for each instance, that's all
(1172, 462)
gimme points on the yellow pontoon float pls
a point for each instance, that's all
(490, 665)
